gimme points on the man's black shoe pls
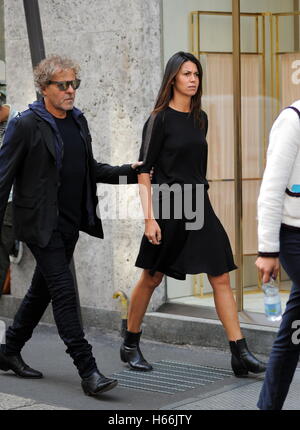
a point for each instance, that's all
(16, 363)
(97, 383)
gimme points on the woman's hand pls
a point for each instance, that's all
(152, 231)
(267, 267)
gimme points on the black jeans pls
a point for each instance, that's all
(53, 281)
(286, 348)
(6, 244)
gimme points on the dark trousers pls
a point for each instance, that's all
(53, 281)
(285, 351)
(6, 245)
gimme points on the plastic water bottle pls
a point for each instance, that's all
(272, 301)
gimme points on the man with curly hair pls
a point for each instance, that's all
(47, 154)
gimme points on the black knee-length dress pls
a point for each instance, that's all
(177, 149)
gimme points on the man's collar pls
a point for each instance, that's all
(39, 108)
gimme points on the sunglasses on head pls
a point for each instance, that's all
(64, 85)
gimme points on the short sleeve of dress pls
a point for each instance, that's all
(152, 140)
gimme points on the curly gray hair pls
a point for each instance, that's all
(52, 64)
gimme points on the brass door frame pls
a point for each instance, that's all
(238, 179)
(261, 18)
(237, 113)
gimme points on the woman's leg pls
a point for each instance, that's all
(242, 360)
(226, 305)
(130, 350)
(140, 298)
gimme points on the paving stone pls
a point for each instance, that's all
(9, 401)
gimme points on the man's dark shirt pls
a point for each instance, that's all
(72, 175)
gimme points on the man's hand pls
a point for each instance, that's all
(267, 267)
(140, 163)
(136, 164)
(151, 173)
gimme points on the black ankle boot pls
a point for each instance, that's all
(243, 361)
(130, 352)
(97, 383)
(17, 365)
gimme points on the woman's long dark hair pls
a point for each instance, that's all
(166, 91)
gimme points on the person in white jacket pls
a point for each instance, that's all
(279, 240)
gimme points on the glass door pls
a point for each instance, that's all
(281, 86)
(269, 80)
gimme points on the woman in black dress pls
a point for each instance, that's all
(174, 144)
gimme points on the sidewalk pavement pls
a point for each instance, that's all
(184, 378)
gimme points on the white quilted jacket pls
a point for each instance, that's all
(279, 197)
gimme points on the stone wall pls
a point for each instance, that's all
(118, 45)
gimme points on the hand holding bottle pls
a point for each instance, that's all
(268, 267)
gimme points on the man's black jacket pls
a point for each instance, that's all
(30, 158)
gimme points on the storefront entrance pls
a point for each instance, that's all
(269, 61)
